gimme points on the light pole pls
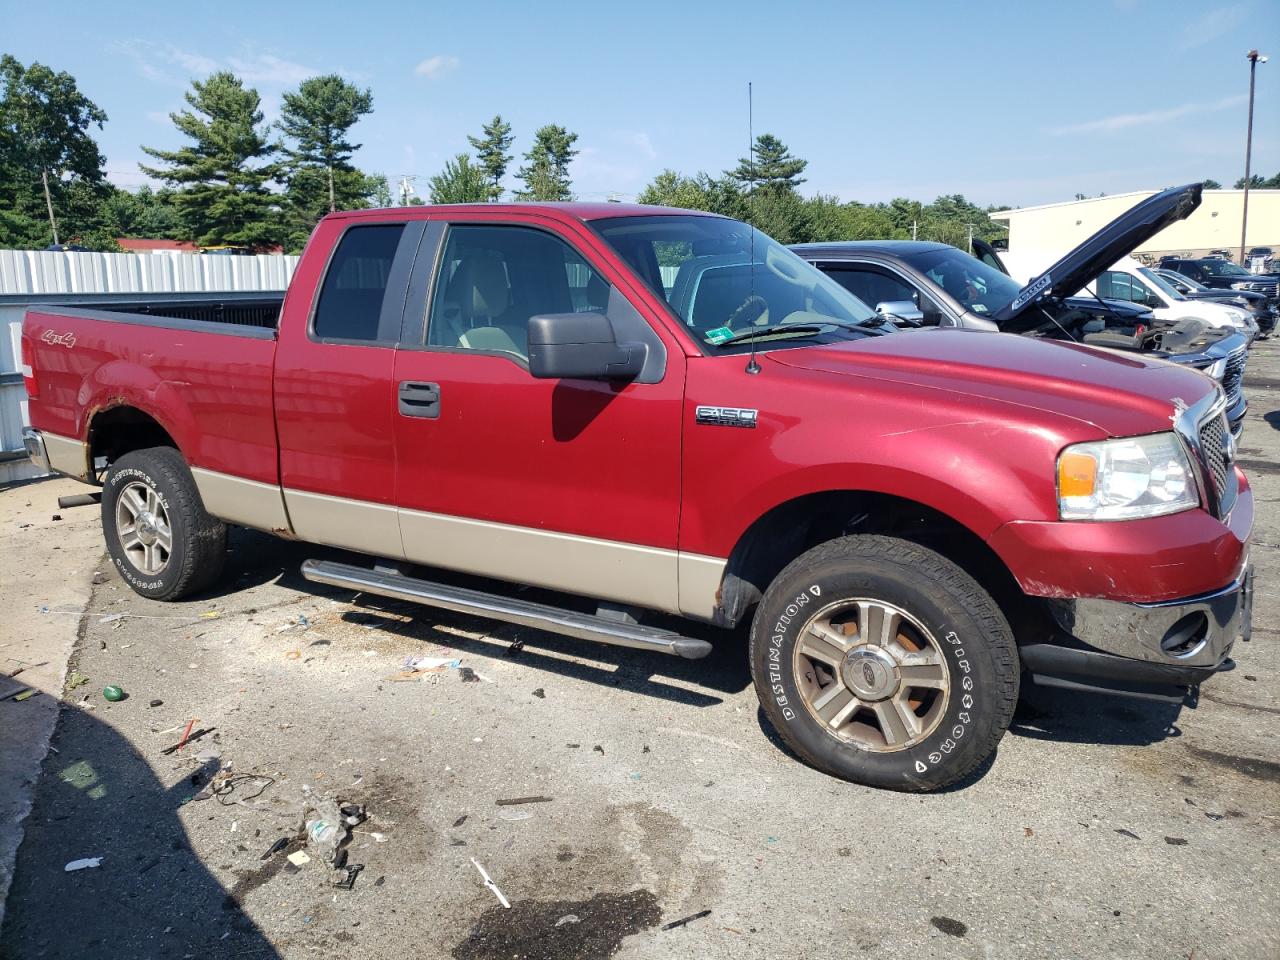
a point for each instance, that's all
(1254, 59)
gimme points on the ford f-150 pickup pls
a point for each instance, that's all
(564, 396)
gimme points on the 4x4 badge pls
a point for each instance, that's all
(726, 416)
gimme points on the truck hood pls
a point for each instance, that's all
(1122, 394)
(1086, 262)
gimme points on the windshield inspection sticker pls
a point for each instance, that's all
(719, 334)
(1033, 290)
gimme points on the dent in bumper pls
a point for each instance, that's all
(1192, 632)
(1182, 555)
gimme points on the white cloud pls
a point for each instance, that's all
(1213, 24)
(169, 64)
(436, 66)
(1123, 121)
(639, 141)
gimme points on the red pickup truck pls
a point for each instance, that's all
(659, 411)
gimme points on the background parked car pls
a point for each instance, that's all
(1224, 275)
(1264, 314)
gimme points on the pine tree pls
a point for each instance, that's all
(771, 166)
(317, 118)
(221, 178)
(491, 152)
(546, 174)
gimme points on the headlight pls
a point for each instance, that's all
(1242, 285)
(1125, 479)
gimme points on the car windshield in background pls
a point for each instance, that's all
(1160, 283)
(1225, 268)
(973, 284)
(725, 280)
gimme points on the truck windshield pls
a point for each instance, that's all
(724, 279)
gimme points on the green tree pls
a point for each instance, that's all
(492, 153)
(1257, 182)
(146, 213)
(546, 173)
(1211, 185)
(306, 199)
(221, 178)
(50, 165)
(720, 195)
(461, 181)
(381, 196)
(771, 166)
(317, 119)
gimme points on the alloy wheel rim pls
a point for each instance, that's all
(872, 675)
(143, 528)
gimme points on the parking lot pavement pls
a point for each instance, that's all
(1103, 827)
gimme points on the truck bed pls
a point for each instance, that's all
(257, 310)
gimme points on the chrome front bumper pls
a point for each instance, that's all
(1196, 632)
(33, 443)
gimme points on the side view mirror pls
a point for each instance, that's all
(581, 346)
(904, 310)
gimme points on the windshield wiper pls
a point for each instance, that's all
(807, 329)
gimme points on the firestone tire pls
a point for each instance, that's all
(161, 539)
(927, 663)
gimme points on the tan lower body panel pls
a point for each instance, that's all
(67, 455)
(246, 502)
(339, 522)
(652, 577)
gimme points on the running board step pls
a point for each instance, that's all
(491, 606)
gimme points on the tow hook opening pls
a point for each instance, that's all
(1186, 636)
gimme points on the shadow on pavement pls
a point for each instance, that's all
(1065, 716)
(258, 558)
(151, 896)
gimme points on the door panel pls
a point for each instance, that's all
(335, 396)
(569, 484)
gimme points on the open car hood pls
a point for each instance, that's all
(1086, 262)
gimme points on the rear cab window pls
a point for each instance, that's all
(349, 308)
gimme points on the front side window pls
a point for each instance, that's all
(877, 286)
(350, 302)
(732, 286)
(492, 279)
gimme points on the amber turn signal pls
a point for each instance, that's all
(1077, 473)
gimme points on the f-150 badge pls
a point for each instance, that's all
(726, 416)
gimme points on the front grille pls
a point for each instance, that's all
(1216, 451)
(1233, 376)
(1213, 435)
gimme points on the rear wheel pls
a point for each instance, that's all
(160, 537)
(881, 662)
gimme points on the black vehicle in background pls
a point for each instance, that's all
(1224, 275)
(1263, 312)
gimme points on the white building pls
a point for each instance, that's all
(1050, 230)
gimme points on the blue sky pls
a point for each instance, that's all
(1017, 103)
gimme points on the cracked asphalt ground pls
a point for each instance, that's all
(1103, 827)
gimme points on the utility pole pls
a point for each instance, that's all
(44, 178)
(970, 226)
(1254, 59)
(913, 229)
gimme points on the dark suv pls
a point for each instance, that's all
(1224, 275)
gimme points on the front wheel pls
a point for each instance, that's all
(881, 662)
(160, 537)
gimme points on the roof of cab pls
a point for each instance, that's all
(885, 248)
(575, 210)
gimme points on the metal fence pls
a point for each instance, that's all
(29, 277)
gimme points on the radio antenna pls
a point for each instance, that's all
(752, 367)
